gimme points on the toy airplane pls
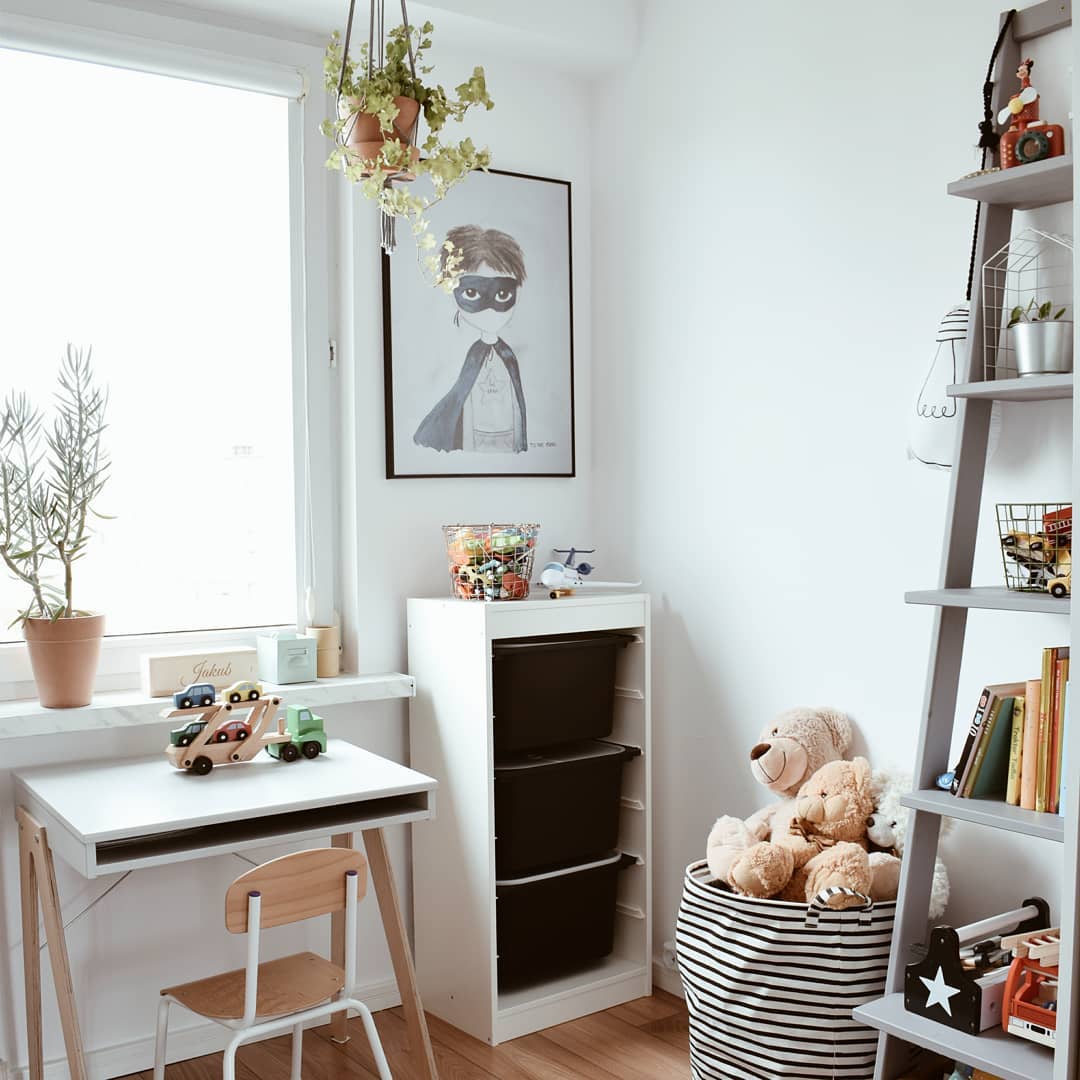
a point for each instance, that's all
(562, 579)
(583, 568)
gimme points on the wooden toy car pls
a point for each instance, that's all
(234, 731)
(202, 693)
(1060, 586)
(186, 735)
(1031, 991)
(307, 735)
(243, 690)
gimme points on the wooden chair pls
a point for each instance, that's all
(279, 995)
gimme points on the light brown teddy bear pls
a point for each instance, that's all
(823, 845)
(788, 752)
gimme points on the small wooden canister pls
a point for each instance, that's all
(327, 650)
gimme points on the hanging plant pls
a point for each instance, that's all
(380, 97)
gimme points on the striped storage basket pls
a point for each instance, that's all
(770, 985)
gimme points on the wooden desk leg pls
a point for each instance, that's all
(339, 1023)
(382, 875)
(31, 947)
(32, 835)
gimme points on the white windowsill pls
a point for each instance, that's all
(125, 708)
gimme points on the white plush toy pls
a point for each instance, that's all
(888, 829)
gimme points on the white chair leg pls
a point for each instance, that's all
(297, 1051)
(228, 1061)
(161, 1038)
(372, 1033)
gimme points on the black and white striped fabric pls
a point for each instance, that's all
(770, 985)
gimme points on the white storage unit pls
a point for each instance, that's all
(450, 656)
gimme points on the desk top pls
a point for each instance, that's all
(107, 800)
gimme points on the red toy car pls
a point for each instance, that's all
(234, 731)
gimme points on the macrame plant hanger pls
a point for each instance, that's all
(377, 36)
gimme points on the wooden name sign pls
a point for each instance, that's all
(165, 673)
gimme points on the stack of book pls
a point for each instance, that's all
(1017, 742)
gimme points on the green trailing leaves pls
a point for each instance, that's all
(50, 479)
(1034, 312)
(368, 88)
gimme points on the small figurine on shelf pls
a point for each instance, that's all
(1028, 138)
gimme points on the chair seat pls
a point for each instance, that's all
(285, 986)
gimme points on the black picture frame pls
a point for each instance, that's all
(395, 468)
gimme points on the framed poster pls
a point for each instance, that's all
(480, 382)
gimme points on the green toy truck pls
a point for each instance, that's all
(308, 735)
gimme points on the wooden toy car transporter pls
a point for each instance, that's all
(204, 751)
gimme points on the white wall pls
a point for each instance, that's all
(773, 249)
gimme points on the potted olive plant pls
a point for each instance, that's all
(50, 479)
(380, 100)
(1042, 339)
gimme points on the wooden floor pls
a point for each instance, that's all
(643, 1040)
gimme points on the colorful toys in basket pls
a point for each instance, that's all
(1036, 545)
(491, 562)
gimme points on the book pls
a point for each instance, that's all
(1062, 797)
(1057, 711)
(1016, 752)
(1043, 750)
(989, 770)
(1029, 755)
(990, 695)
(972, 736)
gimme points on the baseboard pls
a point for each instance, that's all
(204, 1037)
(666, 979)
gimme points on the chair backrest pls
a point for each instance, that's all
(296, 887)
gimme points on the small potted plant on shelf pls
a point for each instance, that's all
(1042, 339)
(50, 480)
(376, 132)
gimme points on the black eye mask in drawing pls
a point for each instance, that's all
(476, 293)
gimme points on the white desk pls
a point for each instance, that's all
(112, 816)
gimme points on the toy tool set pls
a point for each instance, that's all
(962, 976)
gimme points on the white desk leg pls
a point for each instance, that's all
(382, 876)
(339, 1023)
(32, 835)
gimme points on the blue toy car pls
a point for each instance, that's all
(202, 693)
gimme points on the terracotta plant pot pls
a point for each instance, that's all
(64, 655)
(363, 135)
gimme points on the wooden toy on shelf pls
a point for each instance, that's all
(961, 980)
(195, 694)
(306, 734)
(245, 689)
(1030, 1007)
(216, 735)
(1028, 138)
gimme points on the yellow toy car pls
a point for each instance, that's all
(1060, 586)
(245, 690)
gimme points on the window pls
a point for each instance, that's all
(149, 216)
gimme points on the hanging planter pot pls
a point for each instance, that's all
(64, 656)
(381, 94)
(363, 136)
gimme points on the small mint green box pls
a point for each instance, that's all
(286, 657)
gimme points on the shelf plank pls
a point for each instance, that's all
(993, 598)
(1007, 1056)
(991, 812)
(1031, 388)
(1024, 187)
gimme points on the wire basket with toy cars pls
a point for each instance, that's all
(491, 562)
(1036, 546)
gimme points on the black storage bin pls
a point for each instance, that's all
(551, 690)
(558, 806)
(558, 920)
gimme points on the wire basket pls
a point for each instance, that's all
(1036, 546)
(491, 562)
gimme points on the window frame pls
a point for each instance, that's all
(199, 52)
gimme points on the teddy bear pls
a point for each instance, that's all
(788, 752)
(823, 845)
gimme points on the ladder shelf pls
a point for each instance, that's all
(990, 812)
(991, 598)
(1030, 388)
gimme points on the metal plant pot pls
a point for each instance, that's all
(1043, 348)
